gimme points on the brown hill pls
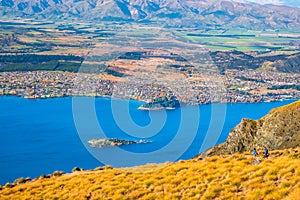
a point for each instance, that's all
(240, 60)
(279, 129)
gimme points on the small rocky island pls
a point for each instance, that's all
(161, 103)
(114, 142)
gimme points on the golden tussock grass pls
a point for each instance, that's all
(223, 177)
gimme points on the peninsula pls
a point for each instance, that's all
(160, 103)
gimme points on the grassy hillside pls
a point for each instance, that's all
(223, 177)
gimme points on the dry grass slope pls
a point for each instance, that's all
(217, 177)
(287, 107)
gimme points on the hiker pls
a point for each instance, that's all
(255, 152)
(89, 196)
(266, 152)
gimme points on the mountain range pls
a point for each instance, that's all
(290, 3)
(168, 13)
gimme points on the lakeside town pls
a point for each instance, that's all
(235, 86)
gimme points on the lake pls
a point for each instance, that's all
(42, 136)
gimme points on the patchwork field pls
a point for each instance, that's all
(28, 36)
(245, 40)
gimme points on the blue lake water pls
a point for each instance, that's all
(41, 136)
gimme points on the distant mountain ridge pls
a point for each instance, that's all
(290, 3)
(170, 13)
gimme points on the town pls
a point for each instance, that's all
(235, 86)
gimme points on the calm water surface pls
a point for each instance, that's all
(40, 136)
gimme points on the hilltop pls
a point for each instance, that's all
(217, 177)
(187, 13)
(240, 60)
(280, 129)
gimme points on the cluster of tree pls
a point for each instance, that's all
(139, 55)
(279, 87)
(250, 79)
(133, 55)
(34, 58)
(221, 35)
(43, 66)
(164, 102)
(115, 73)
(32, 62)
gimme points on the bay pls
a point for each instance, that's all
(41, 136)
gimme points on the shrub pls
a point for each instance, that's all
(295, 156)
(107, 167)
(77, 169)
(44, 176)
(99, 169)
(9, 185)
(57, 173)
(21, 180)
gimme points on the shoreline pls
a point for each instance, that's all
(146, 101)
(43, 85)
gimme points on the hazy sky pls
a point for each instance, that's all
(292, 3)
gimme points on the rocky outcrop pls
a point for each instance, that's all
(280, 129)
(114, 142)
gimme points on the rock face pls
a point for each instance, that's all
(280, 129)
(184, 13)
